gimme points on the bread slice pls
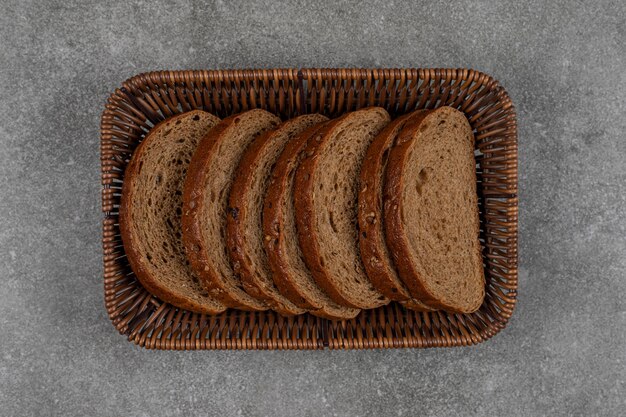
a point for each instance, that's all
(327, 186)
(150, 211)
(205, 204)
(244, 231)
(431, 211)
(374, 252)
(285, 259)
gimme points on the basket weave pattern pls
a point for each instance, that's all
(146, 99)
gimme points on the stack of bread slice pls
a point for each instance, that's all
(307, 215)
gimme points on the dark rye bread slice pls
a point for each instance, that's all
(431, 211)
(327, 187)
(205, 204)
(244, 231)
(150, 211)
(374, 252)
(291, 275)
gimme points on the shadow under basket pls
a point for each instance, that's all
(146, 99)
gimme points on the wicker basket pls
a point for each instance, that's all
(146, 99)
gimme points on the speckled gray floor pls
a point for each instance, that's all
(563, 63)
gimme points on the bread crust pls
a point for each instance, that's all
(395, 234)
(376, 258)
(193, 213)
(135, 257)
(275, 241)
(305, 218)
(238, 202)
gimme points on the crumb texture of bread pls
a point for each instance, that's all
(327, 185)
(431, 211)
(205, 204)
(151, 207)
(245, 213)
(284, 254)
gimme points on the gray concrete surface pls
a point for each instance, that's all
(563, 63)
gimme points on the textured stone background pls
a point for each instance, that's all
(564, 352)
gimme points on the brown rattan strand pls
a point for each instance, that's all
(146, 99)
